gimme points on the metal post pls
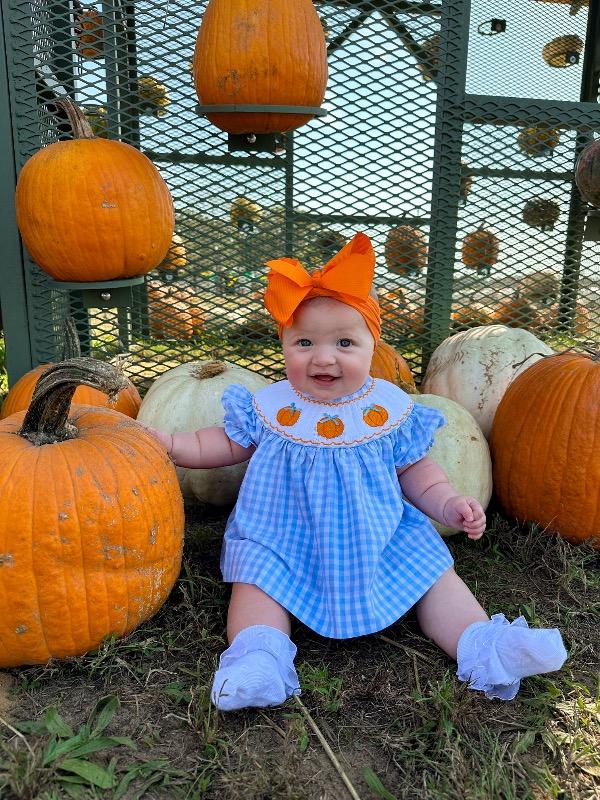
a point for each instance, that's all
(289, 194)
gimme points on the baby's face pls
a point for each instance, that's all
(328, 349)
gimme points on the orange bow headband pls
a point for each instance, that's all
(347, 277)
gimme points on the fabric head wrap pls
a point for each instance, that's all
(347, 277)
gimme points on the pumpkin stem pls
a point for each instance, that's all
(209, 370)
(71, 346)
(46, 420)
(80, 127)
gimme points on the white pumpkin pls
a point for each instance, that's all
(475, 367)
(461, 450)
(188, 397)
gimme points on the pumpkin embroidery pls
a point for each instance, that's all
(330, 426)
(288, 415)
(375, 415)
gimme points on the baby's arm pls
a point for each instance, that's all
(427, 487)
(202, 449)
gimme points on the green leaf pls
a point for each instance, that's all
(105, 710)
(375, 785)
(100, 743)
(93, 773)
(525, 742)
(63, 747)
(55, 724)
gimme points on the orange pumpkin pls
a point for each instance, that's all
(267, 52)
(168, 314)
(176, 258)
(19, 397)
(544, 446)
(480, 249)
(288, 415)
(375, 416)
(389, 365)
(391, 305)
(515, 312)
(405, 249)
(330, 426)
(470, 315)
(89, 33)
(92, 209)
(91, 521)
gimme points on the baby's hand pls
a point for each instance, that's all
(466, 514)
(166, 439)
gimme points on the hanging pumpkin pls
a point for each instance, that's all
(176, 258)
(562, 51)
(461, 450)
(540, 212)
(89, 34)
(91, 521)
(389, 365)
(153, 96)
(405, 249)
(545, 446)
(538, 141)
(474, 368)
(19, 397)
(587, 173)
(430, 54)
(92, 209)
(480, 249)
(260, 52)
(244, 214)
(188, 397)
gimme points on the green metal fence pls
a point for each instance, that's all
(451, 134)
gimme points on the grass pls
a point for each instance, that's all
(382, 716)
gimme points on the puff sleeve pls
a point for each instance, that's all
(415, 437)
(240, 420)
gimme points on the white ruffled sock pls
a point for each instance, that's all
(493, 656)
(257, 670)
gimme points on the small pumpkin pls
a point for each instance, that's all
(405, 249)
(541, 212)
(188, 397)
(91, 520)
(128, 400)
(92, 209)
(330, 426)
(176, 258)
(89, 33)
(168, 316)
(153, 97)
(538, 141)
(480, 249)
(244, 214)
(544, 446)
(391, 305)
(475, 367)
(269, 52)
(470, 315)
(461, 450)
(562, 51)
(389, 365)
(587, 173)
(515, 312)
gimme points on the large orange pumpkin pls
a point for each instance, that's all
(92, 209)
(388, 364)
(128, 400)
(544, 446)
(267, 52)
(91, 521)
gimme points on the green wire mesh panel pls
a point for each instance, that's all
(450, 138)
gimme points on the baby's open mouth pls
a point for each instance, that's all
(324, 378)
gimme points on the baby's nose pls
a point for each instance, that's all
(323, 355)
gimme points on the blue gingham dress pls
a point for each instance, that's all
(320, 524)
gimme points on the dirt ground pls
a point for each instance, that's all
(381, 716)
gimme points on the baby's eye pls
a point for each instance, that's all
(304, 342)
(345, 342)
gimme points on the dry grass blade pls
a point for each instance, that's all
(330, 754)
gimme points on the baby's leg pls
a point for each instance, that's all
(492, 655)
(257, 669)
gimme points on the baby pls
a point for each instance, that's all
(331, 524)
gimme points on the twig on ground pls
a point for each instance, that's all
(332, 757)
(401, 646)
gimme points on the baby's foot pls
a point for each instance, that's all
(257, 670)
(494, 656)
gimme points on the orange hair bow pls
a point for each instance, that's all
(347, 277)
